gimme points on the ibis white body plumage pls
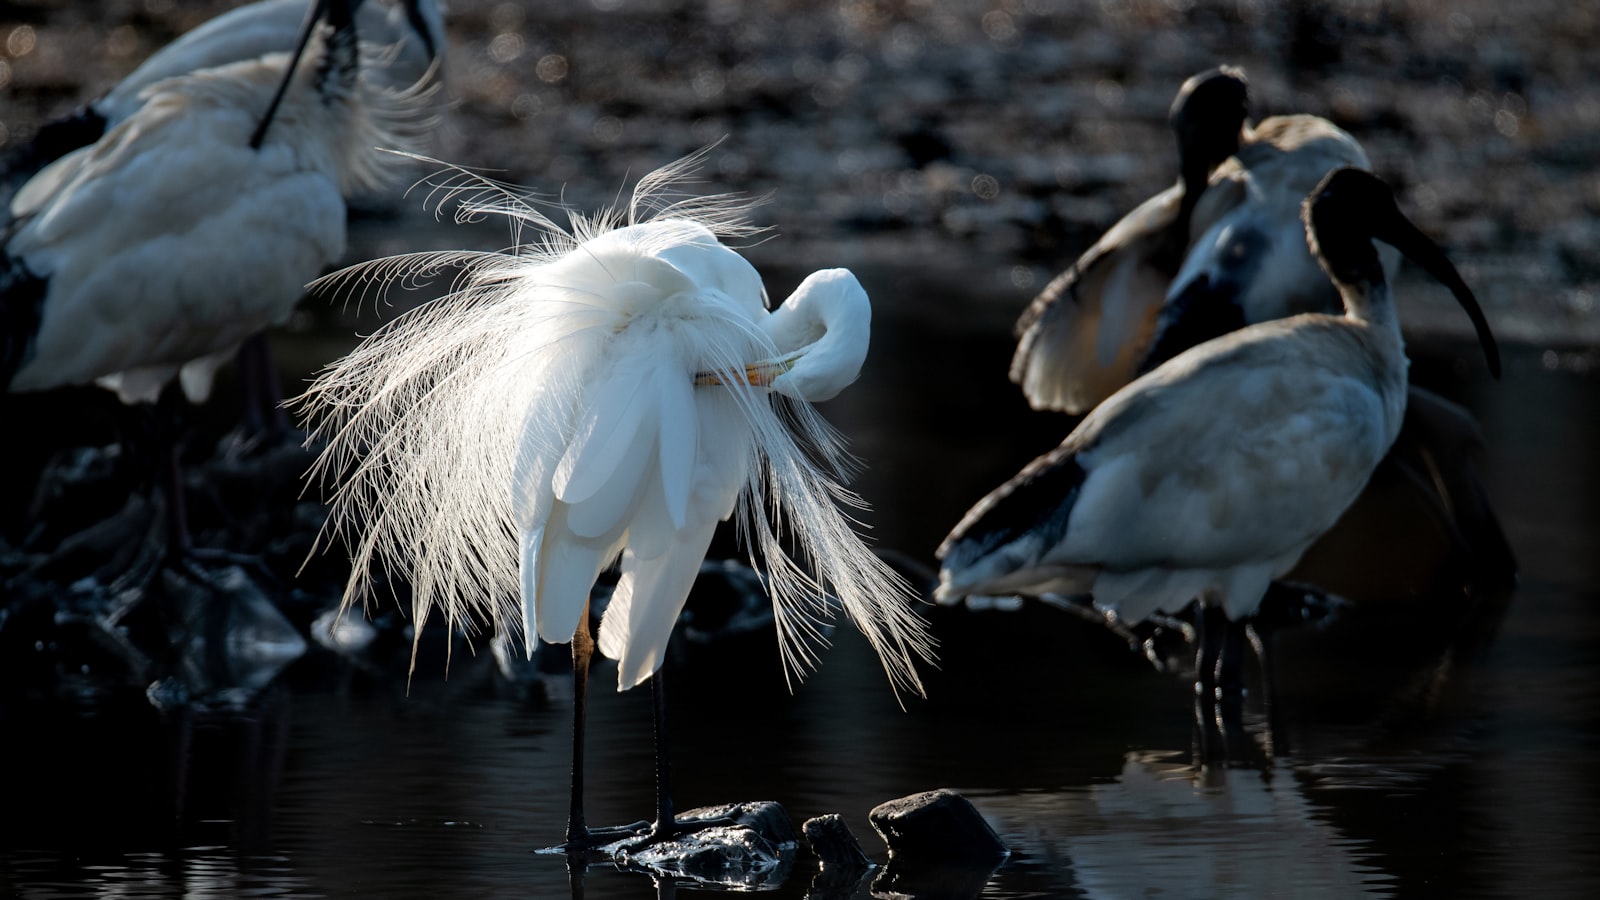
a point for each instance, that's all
(1087, 332)
(1248, 261)
(1209, 476)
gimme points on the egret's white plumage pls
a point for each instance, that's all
(166, 243)
(1209, 476)
(614, 388)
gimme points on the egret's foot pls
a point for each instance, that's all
(745, 846)
(596, 840)
(682, 826)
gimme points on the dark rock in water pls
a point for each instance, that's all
(843, 864)
(741, 845)
(833, 844)
(939, 826)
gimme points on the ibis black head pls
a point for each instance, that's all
(1208, 116)
(1350, 209)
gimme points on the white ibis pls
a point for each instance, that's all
(610, 390)
(1207, 478)
(146, 257)
(1086, 333)
(1244, 260)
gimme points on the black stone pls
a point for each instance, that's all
(940, 826)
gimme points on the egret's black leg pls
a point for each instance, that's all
(666, 826)
(582, 649)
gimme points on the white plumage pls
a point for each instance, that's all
(1209, 476)
(1086, 334)
(406, 36)
(165, 244)
(615, 389)
(1222, 248)
(607, 394)
(1248, 261)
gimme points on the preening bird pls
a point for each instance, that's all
(406, 37)
(1087, 332)
(148, 256)
(1208, 477)
(609, 390)
(1169, 276)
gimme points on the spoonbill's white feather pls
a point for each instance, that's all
(613, 387)
(170, 240)
(404, 43)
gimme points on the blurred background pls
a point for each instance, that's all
(956, 155)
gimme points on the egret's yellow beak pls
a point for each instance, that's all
(756, 374)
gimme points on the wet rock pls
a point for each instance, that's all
(939, 847)
(937, 826)
(740, 845)
(833, 844)
(843, 865)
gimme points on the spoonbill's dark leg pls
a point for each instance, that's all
(169, 411)
(258, 381)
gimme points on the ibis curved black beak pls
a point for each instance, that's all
(1398, 232)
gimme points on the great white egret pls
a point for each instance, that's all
(1208, 477)
(614, 388)
(145, 258)
(1087, 332)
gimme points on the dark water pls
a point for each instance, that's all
(1418, 744)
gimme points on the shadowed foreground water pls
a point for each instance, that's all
(1431, 745)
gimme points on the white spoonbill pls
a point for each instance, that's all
(1209, 476)
(1086, 333)
(406, 39)
(148, 256)
(611, 389)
